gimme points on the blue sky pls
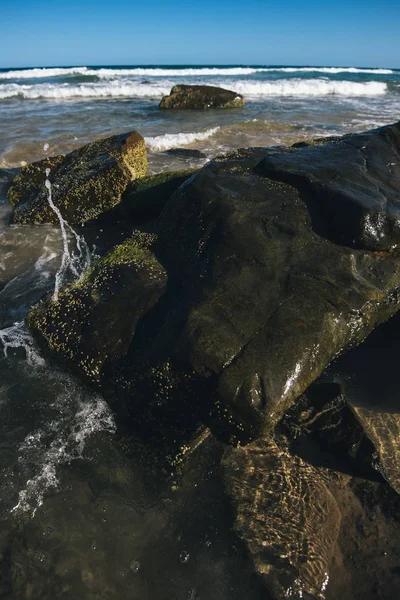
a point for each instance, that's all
(88, 32)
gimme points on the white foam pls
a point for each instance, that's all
(116, 89)
(308, 87)
(112, 89)
(167, 141)
(75, 263)
(41, 73)
(331, 70)
(17, 336)
(68, 433)
(188, 72)
(148, 72)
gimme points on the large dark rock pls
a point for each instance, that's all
(262, 290)
(200, 97)
(85, 183)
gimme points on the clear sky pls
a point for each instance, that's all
(111, 32)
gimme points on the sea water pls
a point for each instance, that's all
(68, 107)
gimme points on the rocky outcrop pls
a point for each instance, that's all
(201, 97)
(85, 183)
(263, 289)
(286, 515)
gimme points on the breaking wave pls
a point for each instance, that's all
(309, 87)
(105, 72)
(331, 70)
(160, 143)
(42, 73)
(115, 89)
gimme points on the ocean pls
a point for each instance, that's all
(66, 107)
(84, 511)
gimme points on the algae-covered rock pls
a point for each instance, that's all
(200, 97)
(94, 320)
(286, 515)
(31, 178)
(85, 183)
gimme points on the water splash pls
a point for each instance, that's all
(17, 336)
(61, 440)
(72, 263)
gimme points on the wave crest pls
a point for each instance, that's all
(125, 89)
(167, 141)
(107, 73)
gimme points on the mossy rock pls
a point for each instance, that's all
(85, 183)
(201, 97)
(31, 179)
(94, 320)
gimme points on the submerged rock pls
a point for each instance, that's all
(286, 515)
(200, 97)
(261, 292)
(186, 153)
(85, 183)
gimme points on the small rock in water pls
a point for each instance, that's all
(184, 557)
(134, 566)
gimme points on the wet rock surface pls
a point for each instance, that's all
(85, 183)
(243, 258)
(351, 185)
(201, 97)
